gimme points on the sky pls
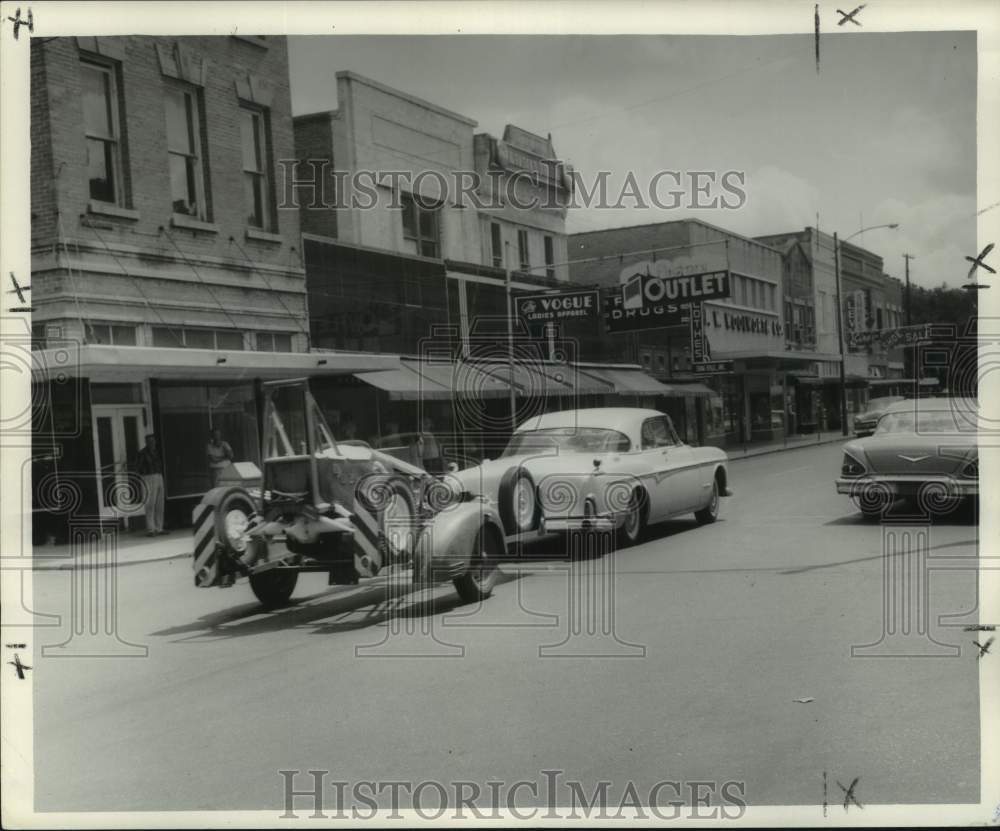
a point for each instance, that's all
(884, 133)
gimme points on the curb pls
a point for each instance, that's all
(69, 566)
(794, 447)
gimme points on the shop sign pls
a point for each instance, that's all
(645, 288)
(566, 305)
(654, 316)
(712, 368)
(700, 351)
(748, 323)
(890, 338)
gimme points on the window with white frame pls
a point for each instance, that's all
(197, 338)
(257, 191)
(550, 258)
(496, 245)
(113, 334)
(523, 257)
(185, 149)
(274, 342)
(103, 130)
(421, 225)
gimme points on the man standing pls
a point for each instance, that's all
(150, 466)
(219, 453)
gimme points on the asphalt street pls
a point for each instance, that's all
(715, 653)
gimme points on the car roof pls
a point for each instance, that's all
(625, 419)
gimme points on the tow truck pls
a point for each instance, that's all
(337, 507)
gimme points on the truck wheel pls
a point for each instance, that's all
(275, 586)
(232, 519)
(478, 581)
(517, 501)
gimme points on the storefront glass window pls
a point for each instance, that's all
(187, 415)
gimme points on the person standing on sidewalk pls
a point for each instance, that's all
(219, 453)
(149, 466)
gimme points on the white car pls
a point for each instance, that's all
(612, 469)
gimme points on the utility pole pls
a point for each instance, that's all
(840, 337)
(510, 337)
(907, 350)
(908, 257)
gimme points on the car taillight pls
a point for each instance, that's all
(851, 466)
(971, 469)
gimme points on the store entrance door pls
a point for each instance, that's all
(118, 435)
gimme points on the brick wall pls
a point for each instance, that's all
(143, 239)
(314, 143)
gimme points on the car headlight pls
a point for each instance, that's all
(971, 470)
(851, 466)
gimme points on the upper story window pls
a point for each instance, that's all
(522, 250)
(496, 245)
(192, 338)
(550, 259)
(185, 143)
(103, 130)
(117, 334)
(257, 190)
(421, 229)
(274, 342)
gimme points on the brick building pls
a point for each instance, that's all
(160, 256)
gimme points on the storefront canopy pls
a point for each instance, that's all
(693, 390)
(462, 379)
(405, 384)
(627, 381)
(136, 363)
(886, 382)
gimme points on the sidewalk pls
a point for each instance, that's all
(134, 547)
(790, 443)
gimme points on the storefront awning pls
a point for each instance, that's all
(885, 382)
(405, 384)
(627, 381)
(131, 364)
(834, 380)
(693, 390)
(462, 379)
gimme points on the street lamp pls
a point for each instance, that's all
(840, 319)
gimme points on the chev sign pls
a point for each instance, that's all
(545, 308)
(652, 316)
(643, 289)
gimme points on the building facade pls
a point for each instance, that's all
(162, 256)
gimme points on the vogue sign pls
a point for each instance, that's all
(544, 308)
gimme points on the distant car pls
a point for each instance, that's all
(613, 469)
(864, 423)
(922, 449)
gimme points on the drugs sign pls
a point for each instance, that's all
(652, 316)
(546, 308)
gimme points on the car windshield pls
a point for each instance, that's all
(935, 421)
(568, 440)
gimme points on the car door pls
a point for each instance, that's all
(658, 452)
(691, 477)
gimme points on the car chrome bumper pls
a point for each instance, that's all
(908, 485)
(565, 524)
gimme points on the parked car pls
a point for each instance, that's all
(922, 449)
(613, 469)
(864, 423)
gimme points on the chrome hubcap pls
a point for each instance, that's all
(236, 524)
